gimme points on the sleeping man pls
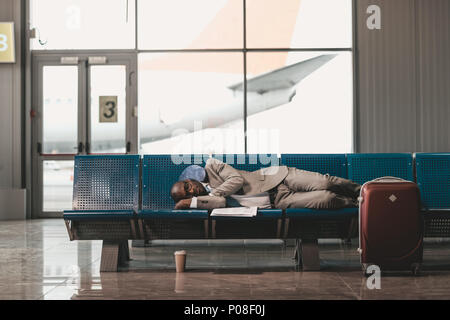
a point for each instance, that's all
(219, 185)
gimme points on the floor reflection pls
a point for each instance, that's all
(39, 262)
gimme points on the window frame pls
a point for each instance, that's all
(244, 50)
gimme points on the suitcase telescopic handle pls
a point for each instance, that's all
(389, 178)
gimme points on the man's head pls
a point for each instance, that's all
(187, 189)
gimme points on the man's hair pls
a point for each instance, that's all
(175, 191)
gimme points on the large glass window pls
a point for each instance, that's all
(188, 103)
(299, 23)
(190, 24)
(198, 78)
(299, 102)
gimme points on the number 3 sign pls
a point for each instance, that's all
(108, 109)
(7, 54)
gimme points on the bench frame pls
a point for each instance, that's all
(305, 230)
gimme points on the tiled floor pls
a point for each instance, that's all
(39, 262)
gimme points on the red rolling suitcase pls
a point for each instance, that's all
(390, 225)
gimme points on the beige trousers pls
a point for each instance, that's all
(306, 189)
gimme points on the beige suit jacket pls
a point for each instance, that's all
(226, 180)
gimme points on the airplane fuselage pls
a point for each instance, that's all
(111, 137)
(218, 116)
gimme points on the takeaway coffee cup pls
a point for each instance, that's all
(180, 260)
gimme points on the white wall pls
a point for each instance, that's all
(404, 77)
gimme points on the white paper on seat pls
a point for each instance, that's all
(235, 212)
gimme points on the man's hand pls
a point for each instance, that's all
(183, 204)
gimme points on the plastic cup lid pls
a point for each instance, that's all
(180, 252)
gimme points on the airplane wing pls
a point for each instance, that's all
(285, 77)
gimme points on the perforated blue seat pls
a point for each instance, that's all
(333, 164)
(249, 162)
(105, 186)
(364, 167)
(252, 162)
(159, 173)
(433, 179)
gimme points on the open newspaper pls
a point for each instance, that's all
(235, 212)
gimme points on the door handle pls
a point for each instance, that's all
(80, 147)
(128, 146)
(130, 77)
(39, 148)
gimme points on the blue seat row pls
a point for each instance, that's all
(122, 186)
(122, 197)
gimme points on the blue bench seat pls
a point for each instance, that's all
(298, 220)
(157, 219)
(267, 224)
(173, 214)
(321, 214)
(104, 206)
(433, 179)
(98, 214)
(363, 167)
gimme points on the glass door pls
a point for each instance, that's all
(83, 104)
(107, 113)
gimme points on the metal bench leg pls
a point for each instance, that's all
(213, 229)
(142, 235)
(124, 252)
(141, 229)
(297, 254)
(279, 223)
(206, 228)
(353, 227)
(309, 254)
(69, 230)
(113, 254)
